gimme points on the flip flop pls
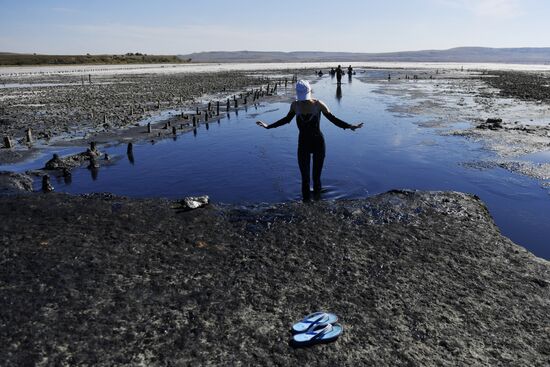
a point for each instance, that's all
(312, 319)
(318, 333)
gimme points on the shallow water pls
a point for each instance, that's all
(235, 161)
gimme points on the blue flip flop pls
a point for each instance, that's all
(313, 319)
(318, 333)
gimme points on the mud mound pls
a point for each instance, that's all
(417, 279)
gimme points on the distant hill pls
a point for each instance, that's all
(7, 58)
(526, 55)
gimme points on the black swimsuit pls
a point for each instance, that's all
(310, 142)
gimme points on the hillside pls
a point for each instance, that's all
(461, 54)
(35, 59)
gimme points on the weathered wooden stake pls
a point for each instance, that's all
(218, 108)
(7, 142)
(174, 130)
(130, 148)
(205, 115)
(46, 185)
(28, 134)
(149, 128)
(194, 121)
(158, 105)
(236, 104)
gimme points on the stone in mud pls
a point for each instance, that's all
(491, 124)
(11, 182)
(55, 163)
(194, 202)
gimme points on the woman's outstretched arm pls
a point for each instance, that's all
(281, 122)
(335, 120)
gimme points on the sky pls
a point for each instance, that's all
(186, 26)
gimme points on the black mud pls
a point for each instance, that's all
(416, 278)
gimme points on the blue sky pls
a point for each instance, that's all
(178, 27)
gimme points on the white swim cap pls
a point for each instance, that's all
(303, 90)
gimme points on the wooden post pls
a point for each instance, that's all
(158, 105)
(218, 108)
(236, 104)
(149, 128)
(7, 142)
(93, 146)
(194, 121)
(174, 130)
(245, 102)
(46, 185)
(104, 119)
(209, 106)
(130, 148)
(28, 134)
(197, 111)
(228, 106)
(90, 78)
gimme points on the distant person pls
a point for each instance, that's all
(339, 73)
(350, 70)
(332, 71)
(310, 139)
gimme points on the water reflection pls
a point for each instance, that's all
(339, 92)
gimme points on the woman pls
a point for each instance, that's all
(310, 140)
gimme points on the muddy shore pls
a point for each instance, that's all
(507, 112)
(417, 279)
(74, 110)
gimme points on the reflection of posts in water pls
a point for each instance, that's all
(67, 176)
(95, 173)
(349, 77)
(339, 92)
(130, 153)
(194, 132)
(207, 128)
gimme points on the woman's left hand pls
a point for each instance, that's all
(358, 126)
(262, 124)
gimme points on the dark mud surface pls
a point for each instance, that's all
(62, 105)
(527, 86)
(417, 278)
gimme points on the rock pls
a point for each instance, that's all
(54, 163)
(190, 203)
(491, 124)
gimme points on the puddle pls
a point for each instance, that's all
(234, 161)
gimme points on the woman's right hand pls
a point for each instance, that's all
(262, 124)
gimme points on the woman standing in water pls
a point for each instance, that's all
(310, 140)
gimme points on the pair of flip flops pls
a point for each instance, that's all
(316, 328)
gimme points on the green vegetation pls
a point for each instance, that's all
(129, 58)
